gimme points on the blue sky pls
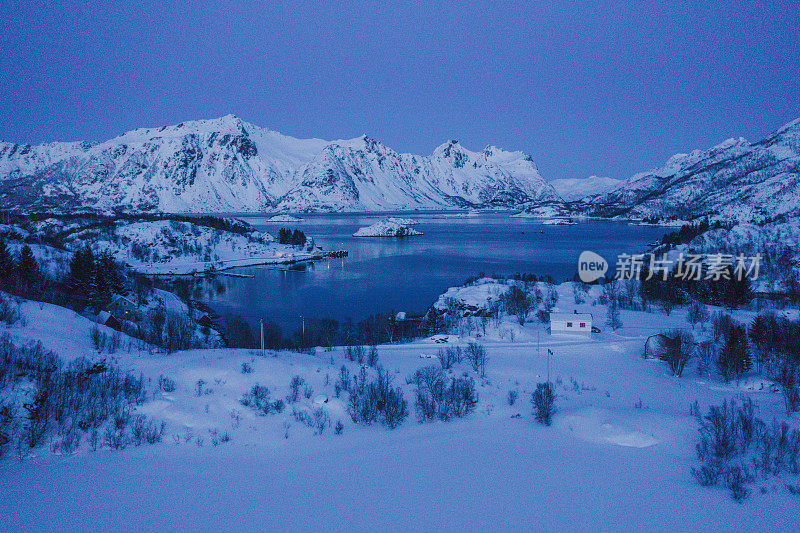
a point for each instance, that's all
(607, 88)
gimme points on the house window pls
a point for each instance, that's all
(569, 324)
(583, 324)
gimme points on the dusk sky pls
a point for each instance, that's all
(606, 88)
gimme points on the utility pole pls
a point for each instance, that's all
(262, 338)
(549, 353)
(303, 334)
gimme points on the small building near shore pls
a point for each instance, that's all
(570, 324)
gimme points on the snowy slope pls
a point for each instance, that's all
(617, 457)
(228, 165)
(735, 179)
(571, 189)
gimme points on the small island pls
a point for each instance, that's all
(387, 228)
(559, 222)
(284, 218)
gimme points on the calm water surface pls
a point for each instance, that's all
(384, 274)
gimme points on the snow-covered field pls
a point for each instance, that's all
(617, 457)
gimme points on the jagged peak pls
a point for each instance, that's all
(730, 143)
(793, 126)
(230, 124)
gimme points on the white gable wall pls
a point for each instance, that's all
(580, 324)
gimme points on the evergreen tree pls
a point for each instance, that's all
(81, 274)
(100, 290)
(298, 238)
(6, 261)
(284, 236)
(27, 267)
(115, 279)
(734, 357)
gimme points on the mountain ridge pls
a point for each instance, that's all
(735, 179)
(229, 165)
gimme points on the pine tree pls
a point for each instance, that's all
(81, 275)
(298, 238)
(6, 261)
(27, 267)
(734, 357)
(100, 290)
(114, 276)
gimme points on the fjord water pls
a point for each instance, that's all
(407, 274)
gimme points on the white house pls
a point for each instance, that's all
(570, 323)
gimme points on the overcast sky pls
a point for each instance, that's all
(606, 88)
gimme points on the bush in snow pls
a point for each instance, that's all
(317, 419)
(613, 319)
(698, 314)
(580, 292)
(376, 401)
(65, 402)
(294, 385)
(679, 349)
(512, 397)
(372, 358)
(519, 303)
(550, 299)
(9, 310)
(258, 399)
(442, 398)
(705, 355)
(450, 356)
(476, 355)
(343, 383)
(776, 345)
(102, 341)
(358, 354)
(166, 384)
(544, 401)
(737, 448)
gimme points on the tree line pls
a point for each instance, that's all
(287, 236)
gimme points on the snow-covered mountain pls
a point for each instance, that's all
(228, 165)
(571, 189)
(735, 180)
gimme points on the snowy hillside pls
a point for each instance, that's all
(735, 179)
(154, 246)
(571, 189)
(228, 165)
(236, 429)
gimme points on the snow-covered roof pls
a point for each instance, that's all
(559, 317)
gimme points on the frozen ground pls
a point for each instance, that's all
(617, 457)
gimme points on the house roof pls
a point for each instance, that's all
(124, 299)
(570, 316)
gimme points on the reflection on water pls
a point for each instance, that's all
(383, 274)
